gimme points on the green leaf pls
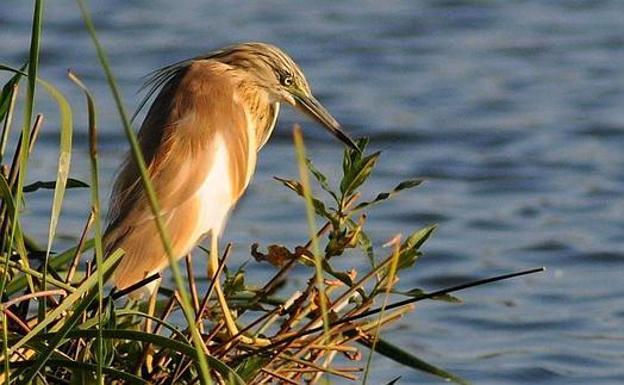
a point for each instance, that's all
(419, 293)
(410, 248)
(401, 356)
(322, 179)
(352, 156)
(343, 277)
(49, 185)
(363, 241)
(248, 369)
(386, 195)
(419, 237)
(319, 206)
(6, 93)
(357, 174)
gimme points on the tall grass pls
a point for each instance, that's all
(60, 325)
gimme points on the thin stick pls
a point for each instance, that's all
(76, 258)
(277, 277)
(279, 376)
(215, 277)
(33, 137)
(191, 281)
(38, 294)
(17, 320)
(317, 367)
(284, 343)
(404, 303)
(8, 120)
(118, 294)
(232, 341)
(449, 290)
(165, 314)
(396, 243)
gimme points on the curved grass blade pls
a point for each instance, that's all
(158, 340)
(70, 300)
(66, 130)
(33, 65)
(84, 366)
(401, 356)
(7, 198)
(56, 263)
(91, 289)
(316, 251)
(95, 208)
(32, 273)
(185, 301)
(408, 184)
(62, 174)
(8, 97)
(389, 283)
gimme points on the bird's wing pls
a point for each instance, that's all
(178, 139)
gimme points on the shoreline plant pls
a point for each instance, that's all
(61, 325)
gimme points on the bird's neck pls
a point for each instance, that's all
(260, 110)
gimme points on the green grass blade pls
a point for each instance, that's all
(29, 104)
(5, 348)
(56, 263)
(389, 283)
(95, 207)
(91, 289)
(316, 251)
(7, 197)
(158, 340)
(185, 302)
(127, 312)
(84, 366)
(401, 356)
(32, 273)
(8, 97)
(62, 174)
(70, 300)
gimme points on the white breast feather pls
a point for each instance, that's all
(214, 194)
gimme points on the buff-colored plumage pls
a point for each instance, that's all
(200, 138)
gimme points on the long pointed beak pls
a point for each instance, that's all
(311, 107)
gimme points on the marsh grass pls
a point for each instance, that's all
(60, 326)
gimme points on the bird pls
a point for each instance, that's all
(200, 139)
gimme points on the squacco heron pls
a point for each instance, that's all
(200, 140)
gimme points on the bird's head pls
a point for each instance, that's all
(274, 71)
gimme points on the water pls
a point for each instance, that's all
(512, 111)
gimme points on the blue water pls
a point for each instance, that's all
(512, 111)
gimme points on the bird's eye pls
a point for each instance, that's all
(286, 80)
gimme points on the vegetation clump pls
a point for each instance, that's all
(60, 324)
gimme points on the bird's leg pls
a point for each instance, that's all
(213, 266)
(151, 310)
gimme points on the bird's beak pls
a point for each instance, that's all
(311, 107)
